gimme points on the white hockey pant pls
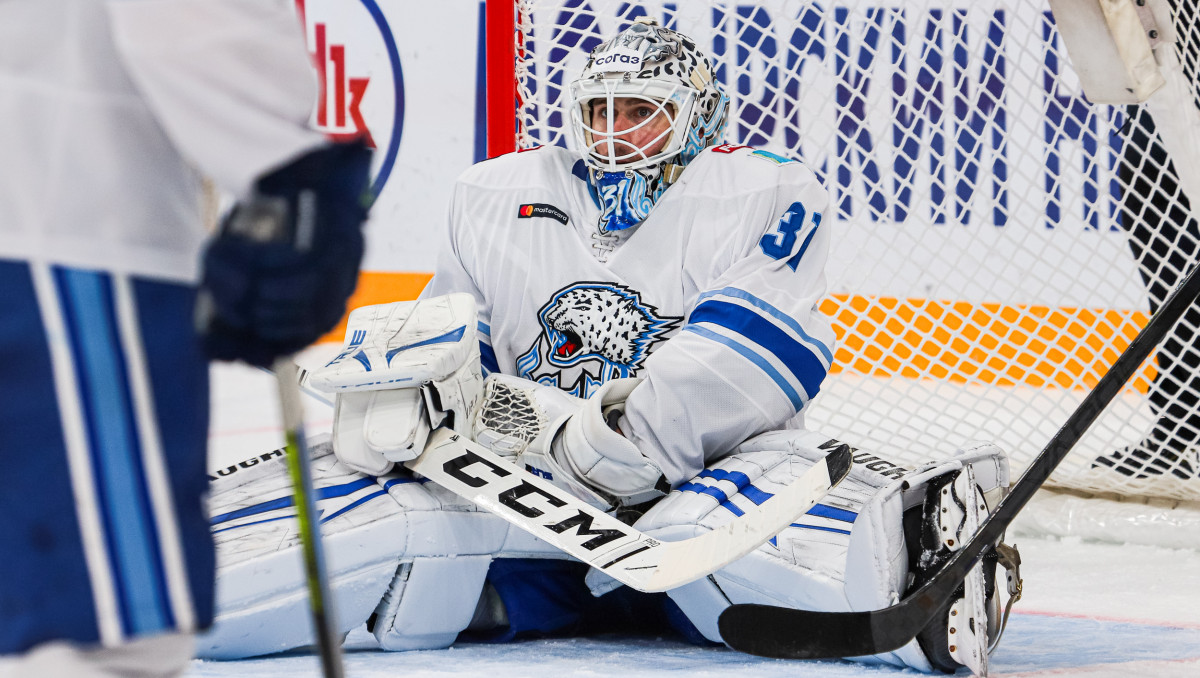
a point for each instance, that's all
(162, 656)
(847, 554)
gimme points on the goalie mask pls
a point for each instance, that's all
(644, 107)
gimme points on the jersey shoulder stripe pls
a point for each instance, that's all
(769, 310)
(763, 364)
(750, 328)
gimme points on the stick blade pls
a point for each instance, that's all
(839, 462)
(784, 633)
(754, 629)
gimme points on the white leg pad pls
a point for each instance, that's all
(847, 554)
(430, 601)
(262, 598)
(373, 528)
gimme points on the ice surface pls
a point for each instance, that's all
(1090, 610)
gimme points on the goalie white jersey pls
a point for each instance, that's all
(712, 299)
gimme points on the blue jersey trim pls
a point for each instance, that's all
(774, 312)
(797, 357)
(115, 449)
(487, 358)
(780, 381)
(484, 329)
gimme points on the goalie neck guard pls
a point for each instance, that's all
(665, 70)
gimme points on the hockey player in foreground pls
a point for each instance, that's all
(109, 113)
(644, 313)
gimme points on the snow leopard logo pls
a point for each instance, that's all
(591, 333)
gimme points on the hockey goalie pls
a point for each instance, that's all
(635, 322)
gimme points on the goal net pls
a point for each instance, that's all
(998, 239)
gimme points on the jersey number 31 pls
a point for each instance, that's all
(780, 243)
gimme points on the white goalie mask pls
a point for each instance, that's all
(663, 87)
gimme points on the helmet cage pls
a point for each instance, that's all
(606, 150)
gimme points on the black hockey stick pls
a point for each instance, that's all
(785, 633)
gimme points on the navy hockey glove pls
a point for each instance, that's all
(278, 274)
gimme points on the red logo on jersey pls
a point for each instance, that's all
(727, 148)
(340, 96)
(527, 210)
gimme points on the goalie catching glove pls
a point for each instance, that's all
(409, 367)
(574, 443)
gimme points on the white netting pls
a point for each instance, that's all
(507, 420)
(999, 239)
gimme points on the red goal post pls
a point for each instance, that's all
(1000, 238)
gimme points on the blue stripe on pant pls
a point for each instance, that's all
(115, 451)
(178, 373)
(45, 591)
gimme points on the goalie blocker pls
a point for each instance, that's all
(421, 562)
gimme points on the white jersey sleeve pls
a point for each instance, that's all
(112, 110)
(456, 251)
(229, 80)
(754, 349)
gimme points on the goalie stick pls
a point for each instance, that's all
(785, 633)
(498, 486)
(495, 484)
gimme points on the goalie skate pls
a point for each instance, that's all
(969, 627)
